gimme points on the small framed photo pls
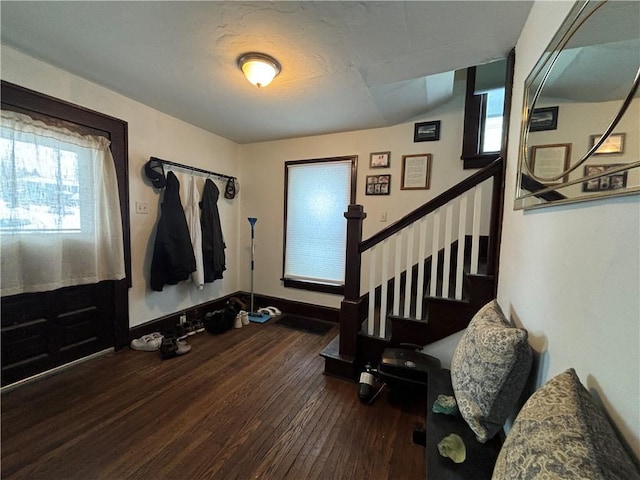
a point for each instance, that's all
(416, 171)
(380, 160)
(550, 161)
(543, 119)
(613, 145)
(612, 181)
(378, 185)
(426, 131)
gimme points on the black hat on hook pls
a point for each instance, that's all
(155, 172)
(230, 189)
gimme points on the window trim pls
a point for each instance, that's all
(23, 100)
(473, 113)
(300, 284)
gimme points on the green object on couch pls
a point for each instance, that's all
(453, 447)
(445, 404)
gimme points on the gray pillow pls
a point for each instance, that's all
(489, 369)
(561, 433)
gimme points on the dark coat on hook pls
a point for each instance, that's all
(212, 241)
(173, 258)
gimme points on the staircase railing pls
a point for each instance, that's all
(424, 252)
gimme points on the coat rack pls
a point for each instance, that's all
(193, 169)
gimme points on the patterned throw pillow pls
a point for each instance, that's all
(561, 433)
(489, 369)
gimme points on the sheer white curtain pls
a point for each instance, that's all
(60, 222)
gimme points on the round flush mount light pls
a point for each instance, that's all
(260, 69)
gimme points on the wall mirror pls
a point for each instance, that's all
(580, 135)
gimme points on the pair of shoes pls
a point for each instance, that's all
(271, 311)
(189, 327)
(242, 318)
(147, 343)
(198, 326)
(172, 347)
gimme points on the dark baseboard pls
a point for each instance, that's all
(286, 306)
(292, 307)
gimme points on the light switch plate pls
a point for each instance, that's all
(142, 208)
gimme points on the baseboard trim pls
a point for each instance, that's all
(53, 371)
(197, 311)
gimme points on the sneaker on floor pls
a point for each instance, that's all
(238, 321)
(147, 343)
(244, 317)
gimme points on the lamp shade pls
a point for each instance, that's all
(258, 68)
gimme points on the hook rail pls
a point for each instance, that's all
(193, 169)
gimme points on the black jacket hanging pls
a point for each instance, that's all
(173, 259)
(212, 241)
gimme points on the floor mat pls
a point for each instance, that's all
(305, 324)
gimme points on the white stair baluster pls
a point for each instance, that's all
(396, 278)
(409, 269)
(372, 291)
(462, 230)
(475, 236)
(435, 246)
(446, 267)
(384, 289)
(421, 256)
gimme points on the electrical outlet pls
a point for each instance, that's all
(142, 208)
(183, 318)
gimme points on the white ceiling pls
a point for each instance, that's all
(345, 65)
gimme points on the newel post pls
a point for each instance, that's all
(350, 306)
(497, 204)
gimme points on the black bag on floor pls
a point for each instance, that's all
(219, 321)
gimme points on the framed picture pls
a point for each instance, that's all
(378, 185)
(380, 160)
(613, 145)
(416, 171)
(612, 181)
(426, 131)
(550, 161)
(544, 119)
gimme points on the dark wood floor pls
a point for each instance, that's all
(250, 404)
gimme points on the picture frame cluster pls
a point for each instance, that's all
(416, 168)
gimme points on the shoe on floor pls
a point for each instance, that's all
(238, 321)
(147, 343)
(172, 347)
(244, 318)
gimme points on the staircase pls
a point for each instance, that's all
(426, 275)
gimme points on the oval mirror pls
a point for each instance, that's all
(580, 130)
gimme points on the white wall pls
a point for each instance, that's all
(263, 176)
(571, 274)
(151, 133)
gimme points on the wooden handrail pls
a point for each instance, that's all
(445, 197)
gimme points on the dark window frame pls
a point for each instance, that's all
(299, 284)
(474, 110)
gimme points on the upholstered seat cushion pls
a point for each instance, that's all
(561, 433)
(489, 369)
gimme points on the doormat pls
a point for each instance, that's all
(305, 324)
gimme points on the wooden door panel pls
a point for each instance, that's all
(41, 331)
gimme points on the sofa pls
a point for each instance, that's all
(559, 433)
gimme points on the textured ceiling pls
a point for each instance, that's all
(345, 65)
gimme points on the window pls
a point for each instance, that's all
(488, 93)
(318, 193)
(60, 220)
(40, 185)
(491, 126)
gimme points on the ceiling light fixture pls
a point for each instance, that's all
(258, 68)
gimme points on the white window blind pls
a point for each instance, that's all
(60, 222)
(318, 194)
